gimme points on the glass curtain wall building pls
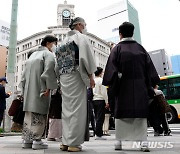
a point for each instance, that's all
(111, 17)
(175, 60)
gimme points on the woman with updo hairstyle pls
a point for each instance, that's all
(38, 79)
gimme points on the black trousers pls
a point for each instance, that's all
(157, 119)
(164, 122)
(99, 111)
(1, 115)
(91, 115)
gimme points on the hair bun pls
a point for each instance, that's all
(71, 23)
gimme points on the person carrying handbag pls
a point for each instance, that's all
(55, 122)
(157, 116)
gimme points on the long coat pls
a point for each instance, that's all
(38, 76)
(133, 72)
(3, 96)
(75, 61)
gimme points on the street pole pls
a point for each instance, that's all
(11, 61)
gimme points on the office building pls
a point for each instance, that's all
(109, 19)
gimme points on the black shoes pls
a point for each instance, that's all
(167, 133)
(157, 134)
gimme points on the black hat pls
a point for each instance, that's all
(3, 79)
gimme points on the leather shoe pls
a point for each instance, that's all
(63, 147)
(74, 149)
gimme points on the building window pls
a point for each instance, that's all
(60, 37)
(16, 78)
(17, 59)
(64, 35)
(66, 21)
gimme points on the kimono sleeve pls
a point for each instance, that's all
(111, 70)
(22, 83)
(86, 60)
(48, 76)
(151, 70)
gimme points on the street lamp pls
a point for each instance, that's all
(11, 60)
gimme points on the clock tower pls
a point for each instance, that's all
(65, 12)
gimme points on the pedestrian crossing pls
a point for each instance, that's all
(173, 130)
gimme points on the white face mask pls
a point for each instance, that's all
(53, 49)
(84, 31)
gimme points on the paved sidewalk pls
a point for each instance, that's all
(12, 145)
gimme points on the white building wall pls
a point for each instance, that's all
(101, 50)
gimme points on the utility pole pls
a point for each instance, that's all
(11, 61)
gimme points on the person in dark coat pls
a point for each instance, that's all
(18, 117)
(55, 110)
(3, 96)
(157, 117)
(130, 73)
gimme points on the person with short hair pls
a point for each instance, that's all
(76, 67)
(100, 101)
(3, 96)
(37, 80)
(130, 73)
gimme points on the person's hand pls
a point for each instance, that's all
(9, 93)
(46, 93)
(107, 106)
(92, 82)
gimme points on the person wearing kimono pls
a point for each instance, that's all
(130, 73)
(76, 66)
(37, 80)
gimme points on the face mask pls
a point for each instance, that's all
(84, 31)
(53, 49)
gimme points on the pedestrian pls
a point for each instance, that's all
(55, 122)
(3, 96)
(16, 110)
(100, 101)
(91, 110)
(131, 73)
(37, 80)
(158, 117)
(76, 67)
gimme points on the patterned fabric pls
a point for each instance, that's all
(67, 57)
(34, 126)
(55, 128)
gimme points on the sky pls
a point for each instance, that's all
(159, 19)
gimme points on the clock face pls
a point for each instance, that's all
(66, 13)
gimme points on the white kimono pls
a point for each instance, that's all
(75, 62)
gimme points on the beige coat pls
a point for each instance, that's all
(38, 76)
